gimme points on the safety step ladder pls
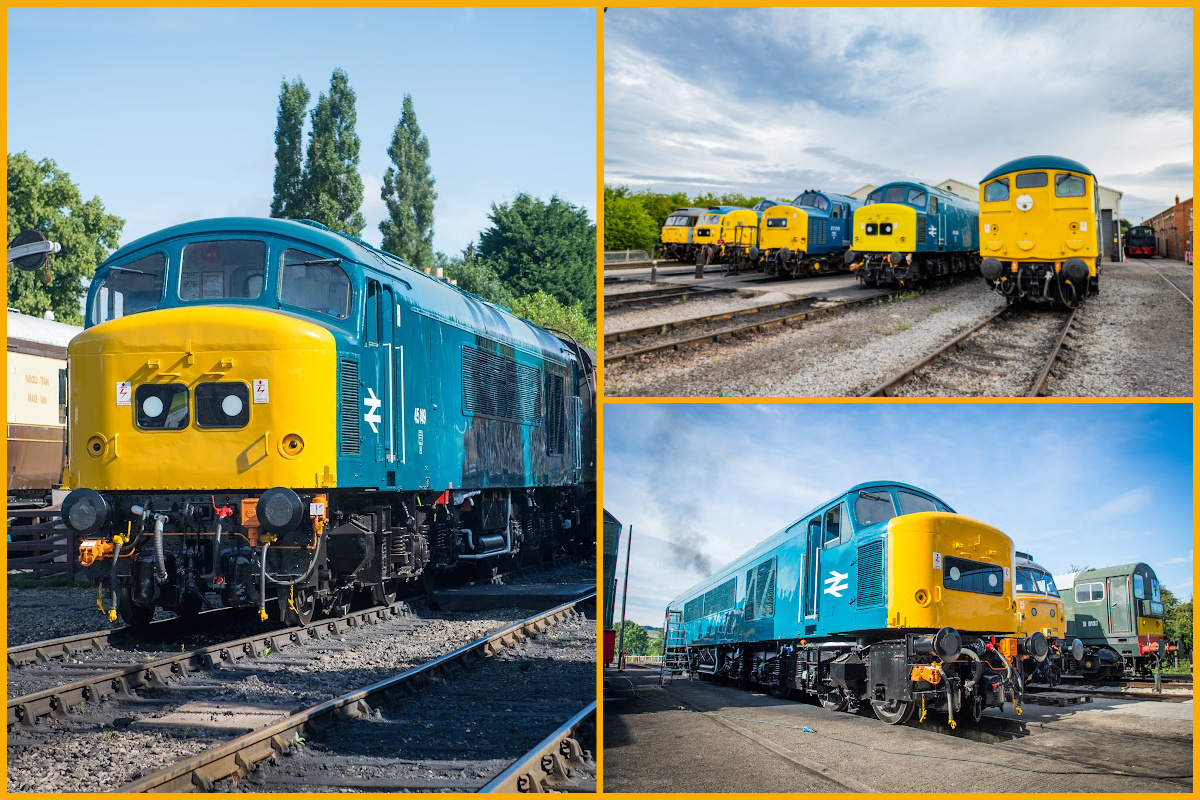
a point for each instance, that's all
(674, 658)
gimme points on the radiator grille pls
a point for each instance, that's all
(496, 386)
(920, 229)
(870, 574)
(348, 403)
(555, 417)
(819, 234)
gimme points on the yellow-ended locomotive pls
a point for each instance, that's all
(1039, 219)
(265, 413)
(909, 232)
(676, 239)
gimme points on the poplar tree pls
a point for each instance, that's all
(408, 192)
(289, 199)
(333, 187)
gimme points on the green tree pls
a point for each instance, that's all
(1125, 226)
(637, 641)
(333, 187)
(628, 226)
(289, 201)
(475, 276)
(551, 246)
(1177, 622)
(408, 192)
(42, 197)
(544, 310)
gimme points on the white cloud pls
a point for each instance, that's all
(1126, 503)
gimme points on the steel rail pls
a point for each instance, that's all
(238, 756)
(1040, 384)
(908, 372)
(547, 767)
(60, 701)
(1173, 286)
(1168, 698)
(719, 335)
(666, 293)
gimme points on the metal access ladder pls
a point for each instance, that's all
(674, 658)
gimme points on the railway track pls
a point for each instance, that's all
(1172, 283)
(787, 312)
(351, 728)
(1167, 698)
(1003, 352)
(662, 295)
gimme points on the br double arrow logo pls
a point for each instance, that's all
(837, 583)
(372, 417)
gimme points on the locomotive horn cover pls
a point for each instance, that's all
(1036, 645)
(85, 511)
(1075, 269)
(850, 257)
(947, 642)
(991, 268)
(1077, 649)
(754, 254)
(785, 254)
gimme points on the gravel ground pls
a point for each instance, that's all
(458, 733)
(627, 287)
(845, 354)
(1134, 339)
(617, 321)
(38, 614)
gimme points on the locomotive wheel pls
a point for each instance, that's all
(132, 613)
(893, 712)
(832, 701)
(779, 691)
(305, 601)
(340, 603)
(384, 593)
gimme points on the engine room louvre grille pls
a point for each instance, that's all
(555, 416)
(496, 386)
(348, 406)
(820, 232)
(870, 574)
(920, 229)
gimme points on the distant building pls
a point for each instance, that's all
(968, 190)
(1173, 229)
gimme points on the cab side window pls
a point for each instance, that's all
(995, 191)
(834, 532)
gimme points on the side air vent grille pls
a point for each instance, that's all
(496, 386)
(920, 229)
(555, 417)
(348, 404)
(819, 235)
(870, 574)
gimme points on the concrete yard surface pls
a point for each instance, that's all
(740, 741)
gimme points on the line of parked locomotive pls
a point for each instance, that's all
(885, 598)
(265, 413)
(1034, 233)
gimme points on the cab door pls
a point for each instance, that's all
(812, 569)
(1119, 620)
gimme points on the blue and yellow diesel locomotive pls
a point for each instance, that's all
(1040, 227)
(267, 413)
(908, 232)
(883, 596)
(808, 237)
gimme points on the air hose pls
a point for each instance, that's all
(970, 685)
(262, 584)
(949, 697)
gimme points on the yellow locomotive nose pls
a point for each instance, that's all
(885, 228)
(187, 404)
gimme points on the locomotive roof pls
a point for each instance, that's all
(1026, 560)
(451, 302)
(828, 195)
(774, 539)
(24, 328)
(1038, 162)
(941, 194)
(691, 212)
(725, 209)
(1068, 580)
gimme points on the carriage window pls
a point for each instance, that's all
(1139, 586)
(872, 508)
(227, 269)
(1155, 592)
(711, 219)
(913, 503)
(874, 197)
(673, 221)
(1025, 582)
(1031, 180)
(894, 194)
(777, 222)
(916, 198)
(1068, 185)
(130, 288)
(1089, 592)
(316, 283)
(933, 205)
(996, 191)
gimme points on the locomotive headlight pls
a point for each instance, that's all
(1033, 610)
(1052, 612)
(872, 229)
(886, 229)
(223, 404)
(85, 511)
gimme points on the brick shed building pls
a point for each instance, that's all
(1173, 229)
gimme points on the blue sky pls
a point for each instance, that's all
(775, 101)
(169, 114)
(1093, 484)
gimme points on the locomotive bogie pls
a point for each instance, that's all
(1039, 225)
